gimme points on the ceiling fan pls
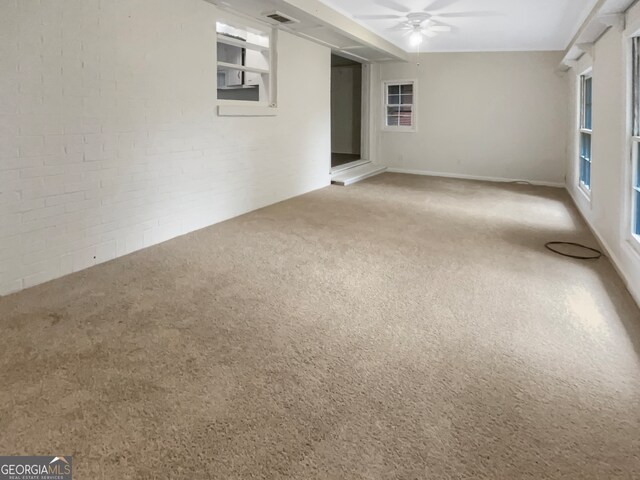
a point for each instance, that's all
(420, 24)
(427, 22)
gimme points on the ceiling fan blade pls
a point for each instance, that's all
(400, 26)
(393, 5)
(465, 15)
(429, 33)
(440, 28)
(439, 5)
(376, 17)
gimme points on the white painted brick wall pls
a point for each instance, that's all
(109, 138)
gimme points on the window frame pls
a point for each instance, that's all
(635, 189)
(632, 177)
(584, 132)
(267, 95)
(414, 106)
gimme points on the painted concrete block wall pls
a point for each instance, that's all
(109, 137)
(485, 115)
(607, 209)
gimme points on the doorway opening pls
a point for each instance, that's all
(346, 112)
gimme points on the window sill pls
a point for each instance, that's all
(634, 243)
(232, 110)
(399, 129)
(586, 193)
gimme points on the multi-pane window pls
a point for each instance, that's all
(586, 116)
(400, 112)
(244, 62)
(635, 141)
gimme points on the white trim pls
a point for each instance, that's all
(604, 15)
(340, 21)
(463, 176)
(345, 179)
(240, 43)
(243, 68)
(583, 188)
(365, 113)
(348, 166)
(586, 192)
(634, 243)
(632, 29)
(614, 20)
(373, 126)
(615, 261)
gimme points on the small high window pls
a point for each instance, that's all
(400, 106)
(244, 62)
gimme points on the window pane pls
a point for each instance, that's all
(394, 89)
(585, 146)
(637, 209)
(406, 119)
(407, 99)
(393, 121)
(587, 86)
(588, 99)
(394, 100)
(393, 111)
(585, 173)
(636, 180)
(587, 94)
(587, 169)
(585, 159)
(636, 86)
(407, 89)
(587, 118)
(587, 142)
(587, 107)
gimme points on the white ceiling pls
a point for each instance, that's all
(478, 25)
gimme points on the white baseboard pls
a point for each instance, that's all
(615, 261)
(473, 177)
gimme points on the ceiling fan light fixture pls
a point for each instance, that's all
(416, 38)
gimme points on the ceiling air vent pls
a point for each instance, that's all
(281, 17)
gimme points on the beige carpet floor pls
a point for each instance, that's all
(401, 328)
